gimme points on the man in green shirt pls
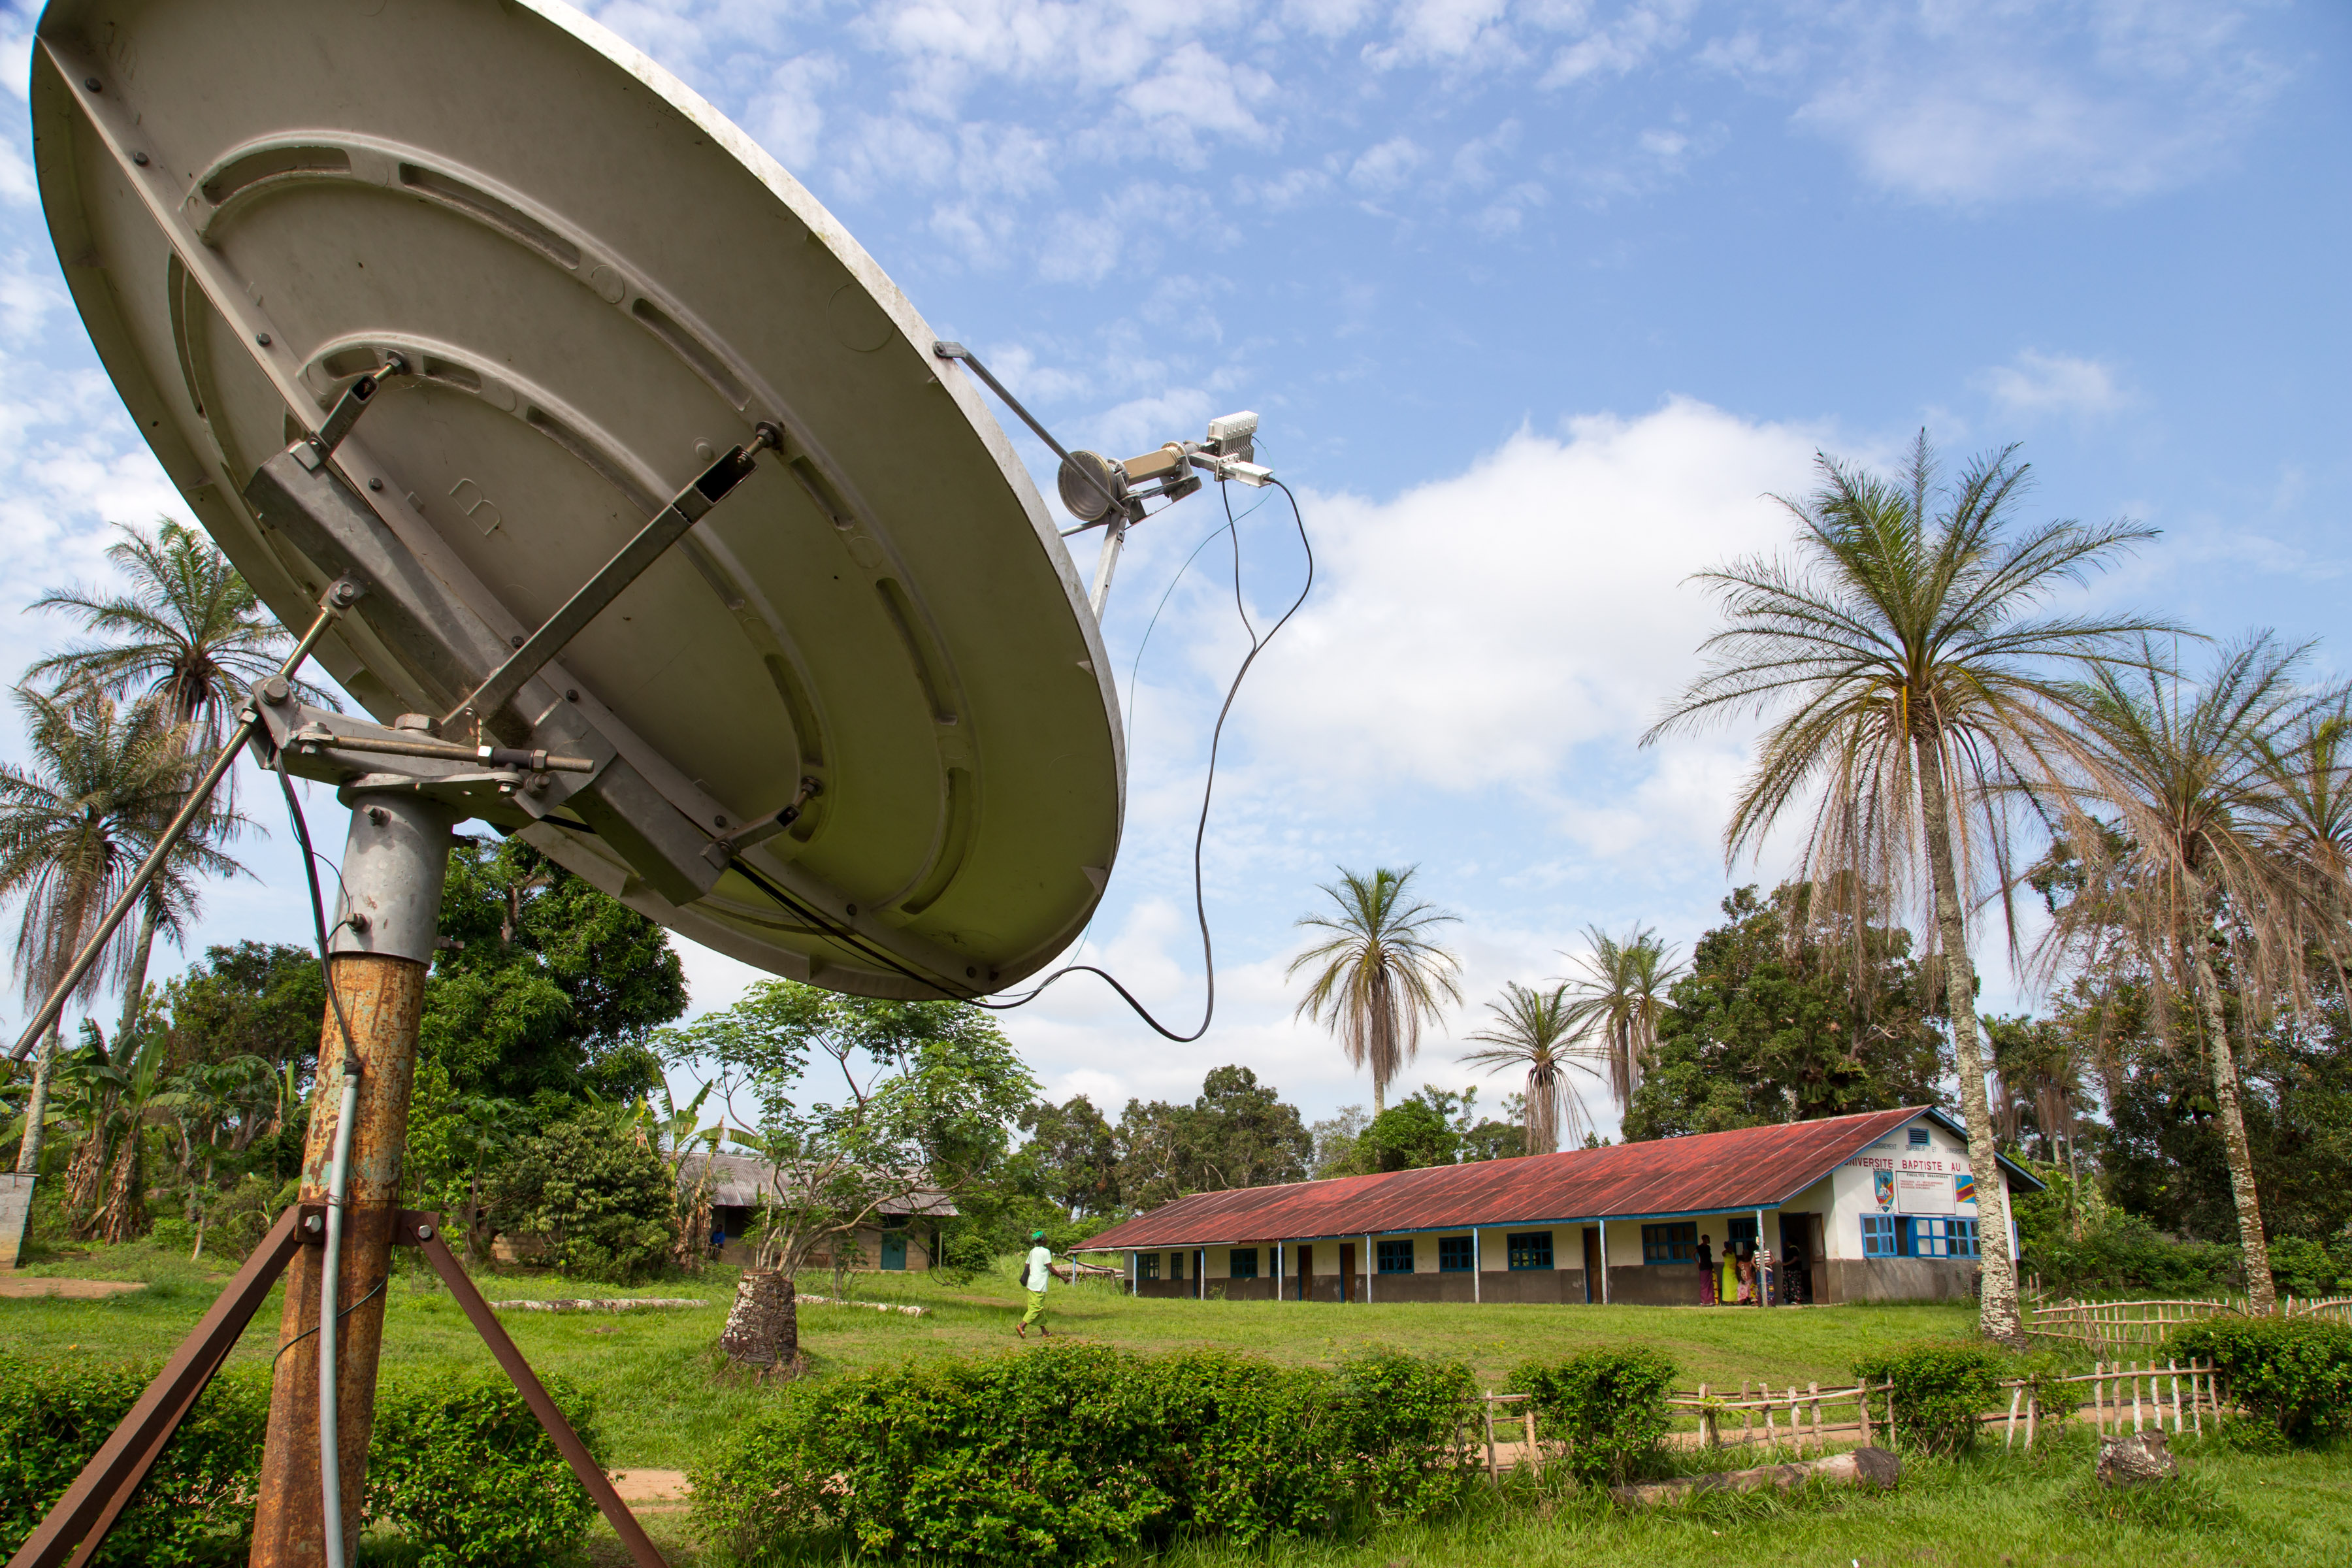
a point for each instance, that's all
(1036, 1271)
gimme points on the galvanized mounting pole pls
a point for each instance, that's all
(339, 595)
(393, 870)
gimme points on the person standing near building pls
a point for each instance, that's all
(1706, 1272)
(1036, 1273)
(1764, 1276)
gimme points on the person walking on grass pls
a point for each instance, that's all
(1036, 1272)
(1706, 1272)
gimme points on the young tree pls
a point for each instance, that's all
(1532, 1031)
(916, 1100)
(2172, 817)
(1073, 1156)
(1919, 683)
(1379, 974)
(1620, 999)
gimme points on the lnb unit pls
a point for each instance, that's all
(1093, 486)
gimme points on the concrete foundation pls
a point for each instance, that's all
(16, 1215)
(1897, 1280)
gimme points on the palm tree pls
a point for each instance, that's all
(73, 826)
(1622, 999)
(190, 637)
(189, 634)
(1533, 1030)
(2306, 816)
(1380, 975)
(2185, 837)
(1919, 678)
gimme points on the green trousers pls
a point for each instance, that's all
(1037, 1306)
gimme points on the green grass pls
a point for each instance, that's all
(662, 1398)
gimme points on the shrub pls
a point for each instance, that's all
(2122, 1252)
(1608, 1407)
(1940, 1387)
(197, 1506)
(459, 1464)
(461, 1468)
(604, 1202)
(2295, 1373)
(1083, 1453)
(172, 1235)
(965, 1257)
(2302, 1266)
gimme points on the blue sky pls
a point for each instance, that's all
(1538, 304)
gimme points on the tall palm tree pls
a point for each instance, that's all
(1380, 975)
(2306, 816)
(1918, 676)
(1534, 1029)
(189, 633)
(103, 784)
(189, 637)
(1622, 999)
(2187, 774)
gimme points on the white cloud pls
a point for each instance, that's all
(2111, 98)
(2038, 382)
(1632, 40)
(1382, 169)
(788, 115)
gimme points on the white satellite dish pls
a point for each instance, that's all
(866, 677)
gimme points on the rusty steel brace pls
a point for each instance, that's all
(78, 1523)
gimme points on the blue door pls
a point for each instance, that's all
(894, 1249)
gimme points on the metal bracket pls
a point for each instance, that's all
(705, 490)
(313, 453)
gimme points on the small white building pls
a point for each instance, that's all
(1877, 1207)
(902, 1234)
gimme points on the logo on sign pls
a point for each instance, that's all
(1964, 1189)
(1882, 1187)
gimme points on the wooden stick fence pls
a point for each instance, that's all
(2125, 1325)
(1800, 1407)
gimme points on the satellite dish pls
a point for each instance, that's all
(864, 676)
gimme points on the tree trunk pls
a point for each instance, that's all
(134, 988)
(763, 1326)
(1998, 1310)
(37, 1105)
(2261, 1293)
(122, 1215)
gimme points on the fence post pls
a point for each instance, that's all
(1486, 1409)
(1706, 1434)
(1820, 1443)
(1535, 1448)
(2033, 1408)
(1746, 1416)
(2173, 1368)
(2009, 1435)
(2135, 1372)
(1862, 1402)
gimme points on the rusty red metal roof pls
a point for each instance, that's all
(1708, 1172)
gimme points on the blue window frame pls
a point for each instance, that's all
(1455, 1255)
(1175, 1266)
(1675, 1243)
(1943, 1238)
(1878, 1235)
(1242, 1263)
(1529, 1249)
(1737, 1230)
(1396, 1255)
(1147, 1266)
(1918, 1137)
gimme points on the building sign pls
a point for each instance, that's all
(1882, 1187)
(1963, 1188)
(1922, 1193)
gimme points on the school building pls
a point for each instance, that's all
(1876, 1207)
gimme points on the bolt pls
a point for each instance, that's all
(718, 821)
(313, 1224)
(345, 592)
(358, 921)
(378, 816)
(276, 690)
(572, 697)
(140, 159)
(375, 484)
(514, 641)
(261, 338)
(424, 1233)
(92, 83)
(853, 908)
(970, 972)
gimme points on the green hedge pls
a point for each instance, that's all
(2295, 1373)
(197, 1504)
(1607, 1406)
(457, 1463)
(1940, 1389)
(1081, 1453)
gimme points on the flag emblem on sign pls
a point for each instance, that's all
(1882, 1184)
(1963, 1188)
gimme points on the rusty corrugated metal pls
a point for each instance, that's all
(1710, 1172)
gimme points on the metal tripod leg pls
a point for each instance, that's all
(424, 1231)
(104, 1488)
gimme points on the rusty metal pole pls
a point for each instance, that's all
(394, 866)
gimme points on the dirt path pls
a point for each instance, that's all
(651, 1491)
(71, 1289)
